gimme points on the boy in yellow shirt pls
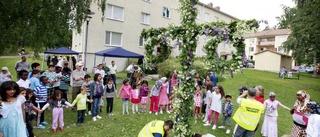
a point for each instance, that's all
(81, 101)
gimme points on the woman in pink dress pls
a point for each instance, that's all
(163, 99)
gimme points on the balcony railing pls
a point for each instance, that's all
(266, 43)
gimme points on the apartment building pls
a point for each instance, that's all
(124, 21)
(266, 49)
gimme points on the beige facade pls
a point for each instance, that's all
(269, 60)
(124, 21)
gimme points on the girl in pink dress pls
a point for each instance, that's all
(135, 100)
(126, 90)
(269, 126)
(197, 102)
(144, 91)
(163, 99)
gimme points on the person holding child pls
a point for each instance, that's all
(227, 109)
(81, 100)
(269, 126)
(57, 112)
(12, 123)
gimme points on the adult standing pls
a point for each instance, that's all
(106, 69)
(74, 62)
(300, 114)
(113, 71)
(70, 63)
(48, 60)
(313, 129)
(77, 80)
(130, 70)
(5, 75)
(248, 114)
(156, 128)
(21, 65)
(213, 79)
(55, 61)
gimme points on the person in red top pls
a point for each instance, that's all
(260, 94)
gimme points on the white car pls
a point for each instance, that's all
(309, 69)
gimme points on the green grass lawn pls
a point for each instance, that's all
(129, 125)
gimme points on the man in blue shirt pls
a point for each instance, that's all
(213, 79)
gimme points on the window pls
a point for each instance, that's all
(251, 48)
(147, 0)
(251, 57)
(281, 49)
(115, 12)
(282, 39)
(145, 18)
(113, 38)
(251, 41)
(141, 41)
(215, 19)
(206, 17)
(165, 12)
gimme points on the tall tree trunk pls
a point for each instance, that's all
(315, 66)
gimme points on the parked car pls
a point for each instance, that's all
(302, 69)
(309, 69)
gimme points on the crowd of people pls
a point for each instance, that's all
(29, 97)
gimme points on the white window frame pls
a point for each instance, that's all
(215, 19)
(166, 13)
(112, 16)
(110, 42)
(141, 41)
(251, 49)
(206, 17)
(143, 17)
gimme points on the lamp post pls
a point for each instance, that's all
(88, 17)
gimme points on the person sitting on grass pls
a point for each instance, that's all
(156, 128)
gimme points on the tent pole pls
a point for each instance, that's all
(94, 61)
(43, 61)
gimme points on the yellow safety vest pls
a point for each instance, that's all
(248, 114)
(155, 126)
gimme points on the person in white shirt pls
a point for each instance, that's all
(132, 68)
(100, 70)
(113, 71)
(24, 81)
(313, 128)
(58, 72)
(5, 75)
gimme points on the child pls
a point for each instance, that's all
(197, 101)
(52, 77)
(227, 109)
(12, 123)
(57, 112)
(163, 98)
(23, 81)
(125, 88)
(86, 85)
(41, 95)
(260, 94)
(155, 91)
(65, 83)
(207, 101)
(215, 106)
(58, 73)
(109, 94)
(81, 100)
(34, 66)
(135, 100)
(144, 90)
(96, 93)
(30, 113)
(34, 80)
(269, 126)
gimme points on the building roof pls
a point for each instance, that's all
(275, 52)
(212, 8)
(270, 33)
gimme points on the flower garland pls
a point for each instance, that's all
(186, 37)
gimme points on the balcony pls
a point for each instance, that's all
(266, 43)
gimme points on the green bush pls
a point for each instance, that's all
(201, 68)
(166, 68)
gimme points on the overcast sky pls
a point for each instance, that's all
(252, 9)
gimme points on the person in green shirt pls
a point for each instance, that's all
(81, 101)
(106, 69)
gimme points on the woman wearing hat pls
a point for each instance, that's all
(269, 127)
(5, 75)
(300, 114)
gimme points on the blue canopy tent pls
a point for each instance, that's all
(117, 52)
(60, 51)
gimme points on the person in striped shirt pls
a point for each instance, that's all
(65, 83)
(41, 95)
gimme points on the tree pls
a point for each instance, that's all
(41, 24)
(283, 19)
(186, 36)
(305, 32)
